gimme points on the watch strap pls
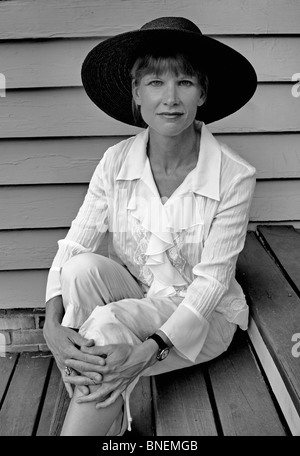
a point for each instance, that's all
(159, 340)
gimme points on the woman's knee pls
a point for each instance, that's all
(81, 266)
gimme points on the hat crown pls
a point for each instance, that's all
(173, 23)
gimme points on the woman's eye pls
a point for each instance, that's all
(186, 82)
(155, 83)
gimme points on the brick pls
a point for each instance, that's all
(5, 338)
(41, 322)
(17, 322)
(39, 310)
(44, 348)
(29, 336)
(3, 350)
(19, 312)
(20, 348)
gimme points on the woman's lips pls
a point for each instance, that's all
(170, 115)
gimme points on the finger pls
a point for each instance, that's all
(84, 367)
(101, 393)
(85, 357)
(102, 351)
(109, 401)
(85, 390)
(69, 389)
(89, 343)
(79, 380)
(80, 340)
(97, 378)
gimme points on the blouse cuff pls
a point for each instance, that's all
(53, 283)
(187, 330)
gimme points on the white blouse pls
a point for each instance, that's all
(186, 247)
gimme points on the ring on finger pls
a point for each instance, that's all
(68, 370)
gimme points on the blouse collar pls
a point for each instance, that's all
(204, 179)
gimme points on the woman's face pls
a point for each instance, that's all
(168, 102)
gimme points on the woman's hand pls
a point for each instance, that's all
(66, 343)
(124, 363)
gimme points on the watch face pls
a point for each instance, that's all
(163, 354)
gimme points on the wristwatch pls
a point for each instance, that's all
(163, 349)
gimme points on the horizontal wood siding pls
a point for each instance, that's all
(46, 206)
(69, 160)
(66, 18)
(57, 63)
(52, 136)
(69, 112)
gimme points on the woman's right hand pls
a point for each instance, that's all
(66, 343)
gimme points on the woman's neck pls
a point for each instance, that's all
(171, 153)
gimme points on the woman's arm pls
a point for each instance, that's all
(215, 271)
(85, 235)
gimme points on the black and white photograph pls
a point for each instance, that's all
(150, 221)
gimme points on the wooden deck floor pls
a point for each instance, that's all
(251, 390)
(227, 396)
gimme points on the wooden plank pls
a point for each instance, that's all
(28, 249)
(73, 160)
(69, 112)
(274, 156)
(274, 308)
(295, 224)
(55, 112)
(284, 244)
(275, 379)
(21, 404)
(44, 206)
(181, 404)
(23, 289)
(52, 19)
(274, 58)
(276, 200)
(57, 63)
(55, 206)
(7, 365)
(244, 404)
(51, 160)
(43, 428)
(141, 408)
(60, 410)
(32, 249)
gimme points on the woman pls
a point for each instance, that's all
(175, 203)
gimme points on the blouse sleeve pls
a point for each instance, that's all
(216, 269)
(86, 232)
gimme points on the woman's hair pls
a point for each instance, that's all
(178, 63)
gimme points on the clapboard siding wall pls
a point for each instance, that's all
(52, 136)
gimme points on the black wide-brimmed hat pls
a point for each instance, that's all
(106, 69)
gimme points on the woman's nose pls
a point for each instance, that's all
(170, 94)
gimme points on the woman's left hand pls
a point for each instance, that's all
(124, 363)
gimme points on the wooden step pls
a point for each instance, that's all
(268, 270)
(226, 396)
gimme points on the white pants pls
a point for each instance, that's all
(105, 302)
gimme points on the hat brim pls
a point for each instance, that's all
(106, 72)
